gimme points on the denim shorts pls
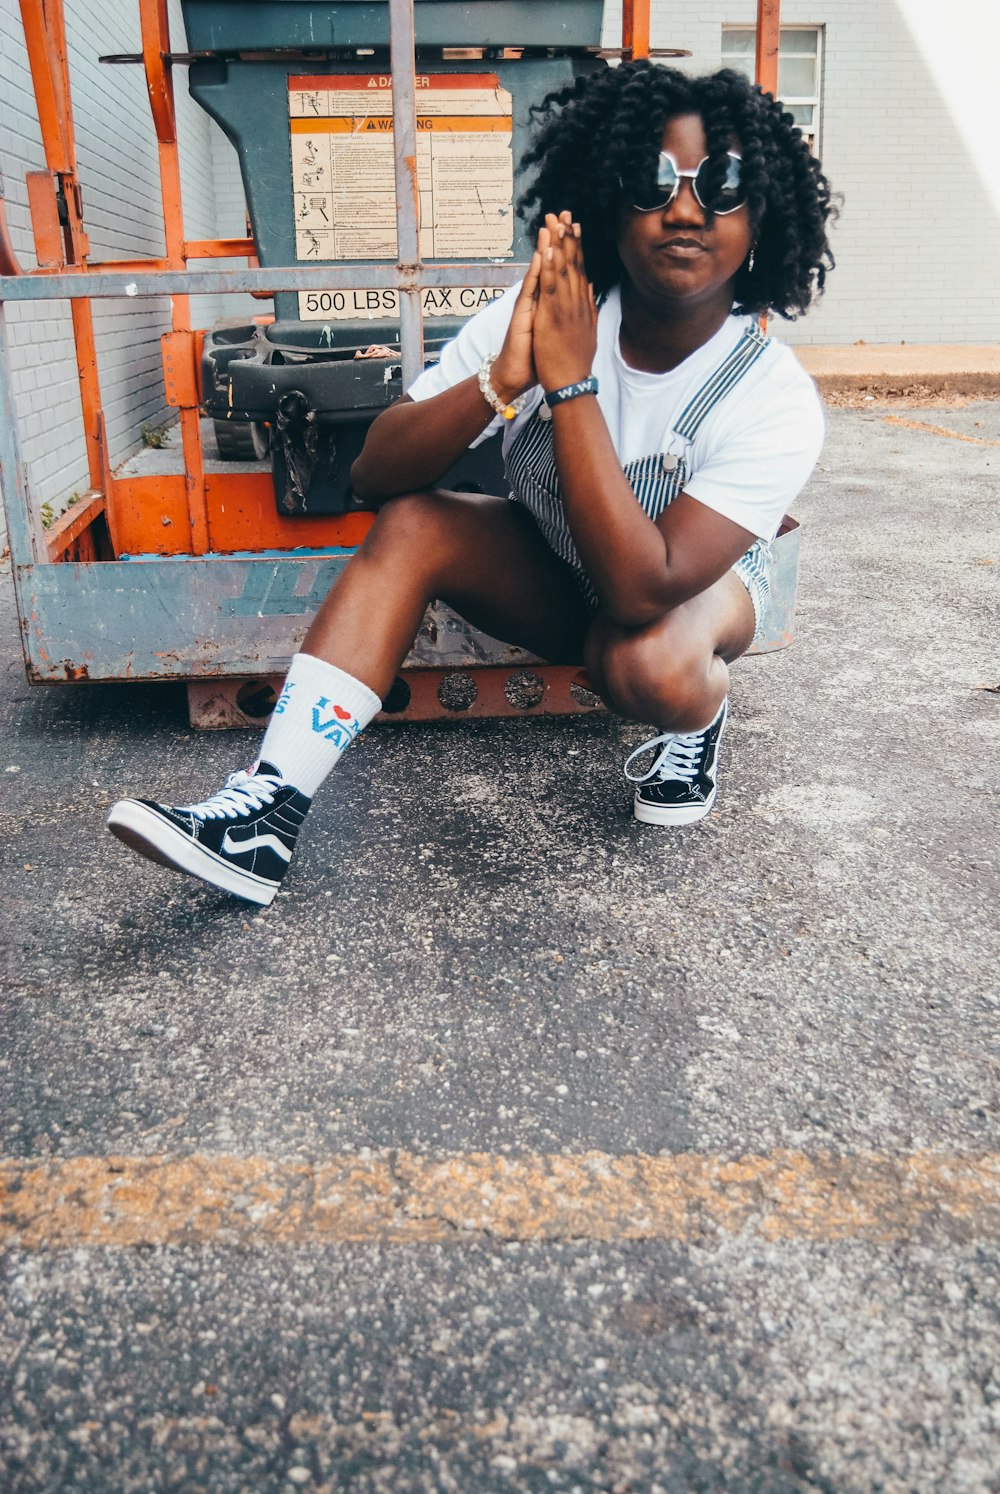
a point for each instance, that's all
(754, 570)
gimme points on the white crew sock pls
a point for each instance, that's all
(318, 713)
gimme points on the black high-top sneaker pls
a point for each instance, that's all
(680, 786)
(241, 839)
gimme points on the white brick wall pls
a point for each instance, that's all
(918, 241)
(117, 160)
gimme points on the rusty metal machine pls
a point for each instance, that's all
(211, 575)
(314, 139)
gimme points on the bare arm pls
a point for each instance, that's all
(639, 569)
(413, 443)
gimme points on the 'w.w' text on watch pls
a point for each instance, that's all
(571, 391)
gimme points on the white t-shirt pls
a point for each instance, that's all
(752, 454)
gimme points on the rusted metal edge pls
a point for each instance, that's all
(453, 692)
(217, 248)
(67, 529)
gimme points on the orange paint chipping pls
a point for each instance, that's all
(401, 1198)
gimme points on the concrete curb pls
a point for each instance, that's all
(898, 368)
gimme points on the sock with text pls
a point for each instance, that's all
(320, 711)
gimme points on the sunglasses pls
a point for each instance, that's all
(725, 198)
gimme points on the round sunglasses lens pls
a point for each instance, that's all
(658, 193)
(730, 195)
(666, 177)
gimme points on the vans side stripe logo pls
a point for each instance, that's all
(255, 843)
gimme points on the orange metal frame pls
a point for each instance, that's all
(194, 513)
(635, 28)
(768, 37)
(197, 512)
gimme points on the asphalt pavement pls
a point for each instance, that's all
(517, 1146)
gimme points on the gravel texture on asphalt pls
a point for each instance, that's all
(477, 949)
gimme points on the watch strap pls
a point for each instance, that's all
(555, 397)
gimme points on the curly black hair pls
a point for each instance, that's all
(597, 145)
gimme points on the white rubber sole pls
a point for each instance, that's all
(156, 839)
(657, 814)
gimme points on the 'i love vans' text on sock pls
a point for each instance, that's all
(319, 712)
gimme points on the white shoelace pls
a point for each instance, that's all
(678, 759)
(243, 791)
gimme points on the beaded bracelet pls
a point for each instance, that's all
(490, 395)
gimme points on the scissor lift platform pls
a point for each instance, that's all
(190, 573)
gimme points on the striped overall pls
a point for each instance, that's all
(655, 480)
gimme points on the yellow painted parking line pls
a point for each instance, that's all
(937, 430)
(403, 1198)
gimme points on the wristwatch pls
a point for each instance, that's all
(555, 397)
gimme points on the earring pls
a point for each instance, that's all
(750, 261)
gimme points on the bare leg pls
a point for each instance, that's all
(673, 673)
(482, 555)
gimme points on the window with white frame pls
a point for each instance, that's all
(800, 60)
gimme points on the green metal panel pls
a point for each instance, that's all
(201, 618)
(267, 25)
(241, 617)
(250, 102)
(184, 618)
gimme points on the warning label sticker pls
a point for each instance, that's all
(345, 189)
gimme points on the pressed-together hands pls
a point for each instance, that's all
(552, 337)
(639, 569)
(551, 340)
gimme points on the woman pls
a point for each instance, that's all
(653, 440)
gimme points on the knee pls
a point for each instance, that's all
(409, 533)
(405, 517)
(655, 674)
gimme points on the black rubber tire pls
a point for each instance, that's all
(234, 441)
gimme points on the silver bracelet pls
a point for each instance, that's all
(490, 395)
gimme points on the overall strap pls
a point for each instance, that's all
(729, 372)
